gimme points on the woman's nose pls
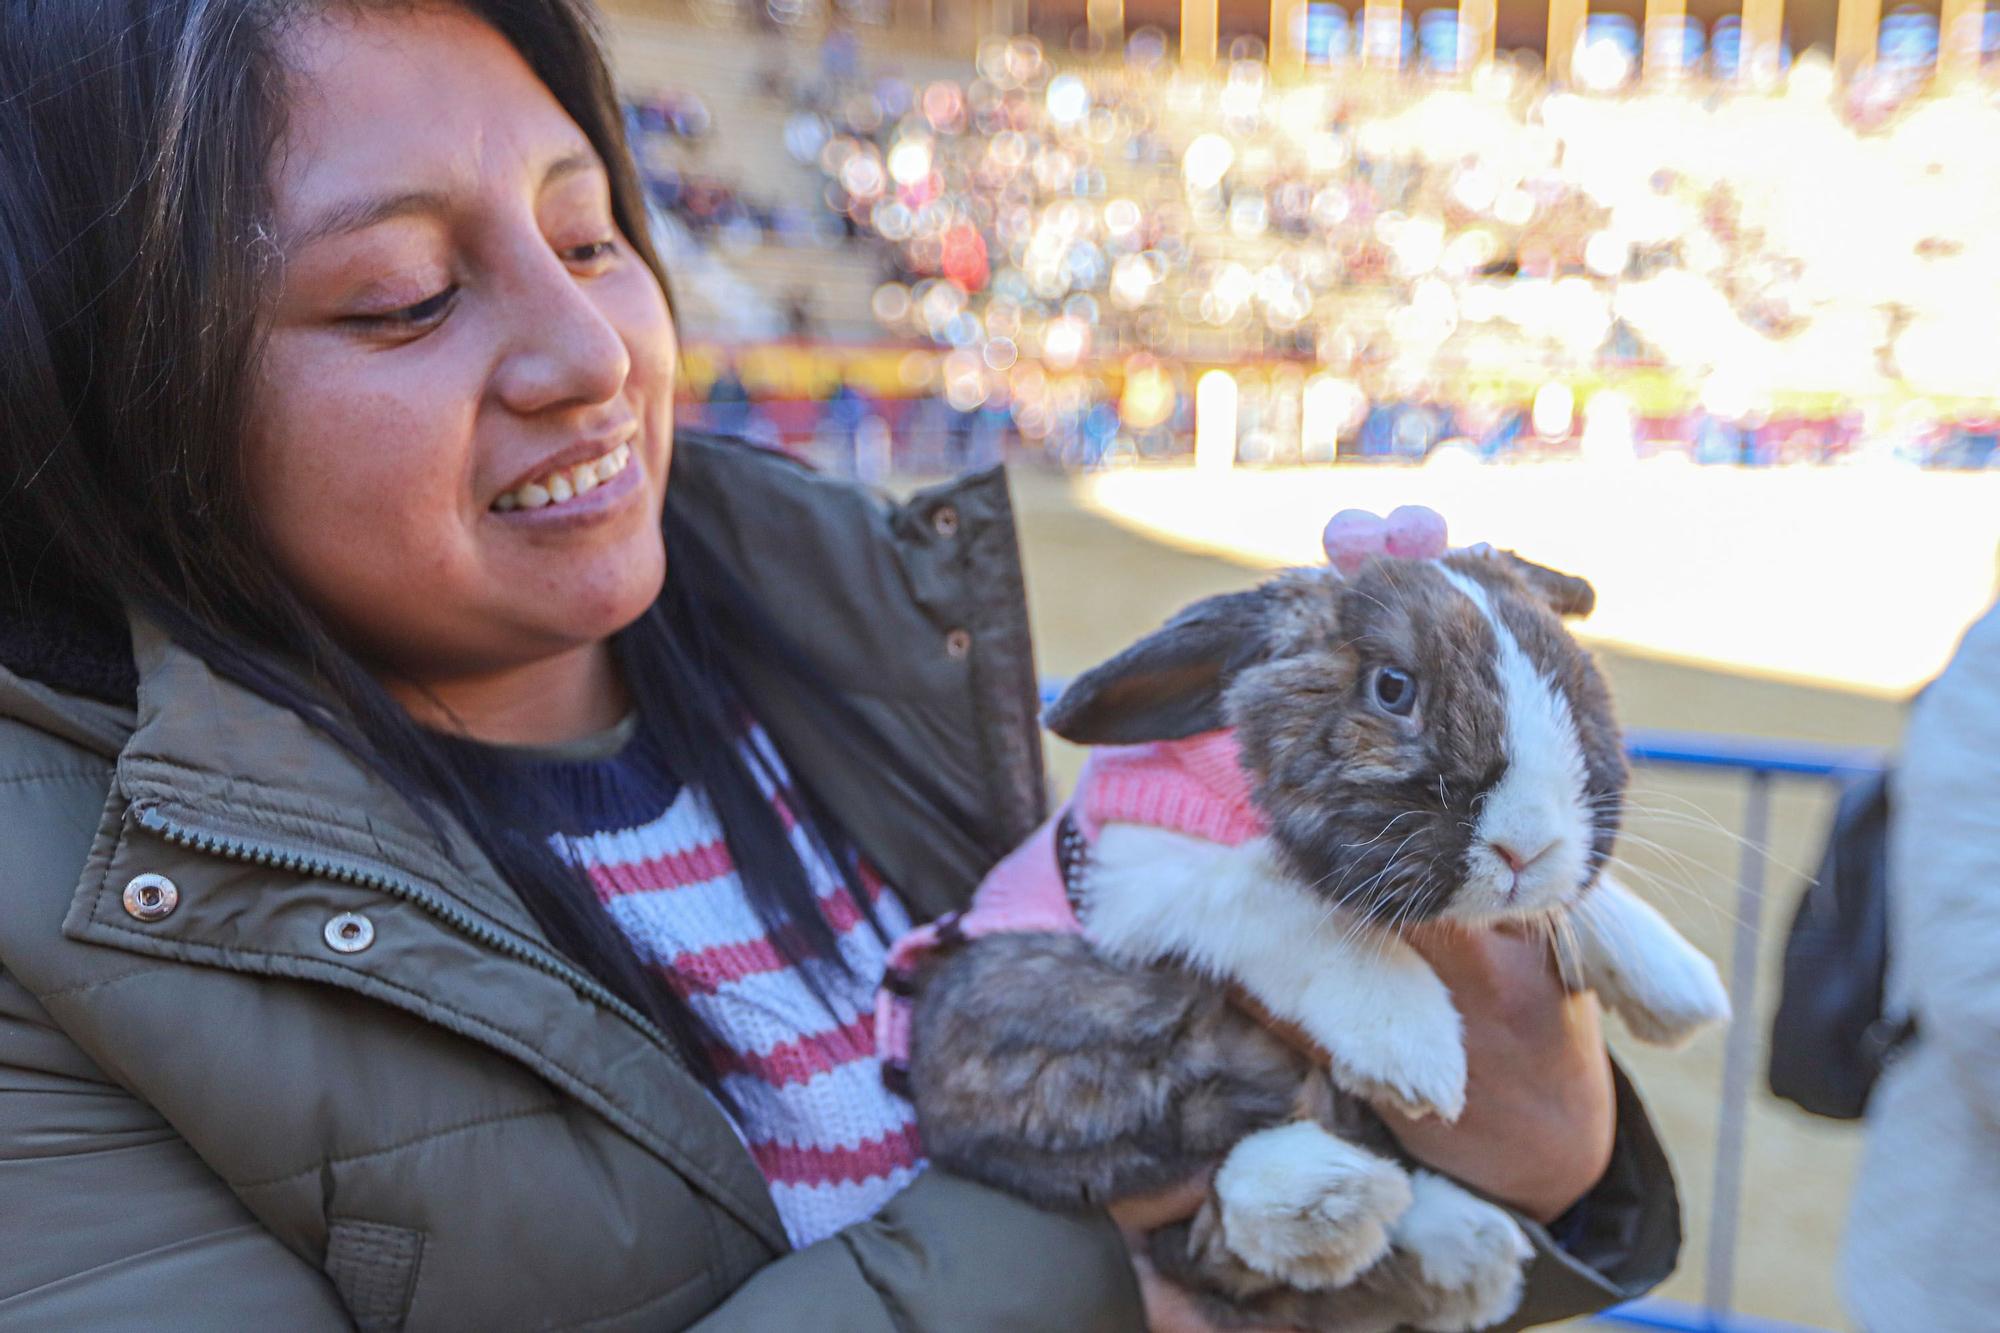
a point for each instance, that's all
(562, 347)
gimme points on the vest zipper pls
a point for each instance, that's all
(259, 854)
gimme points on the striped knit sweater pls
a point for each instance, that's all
(833, 1142)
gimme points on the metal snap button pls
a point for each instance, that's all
(151, 897)
(350, 932)
(957, 644)
(945, 520)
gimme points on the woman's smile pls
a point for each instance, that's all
(574, 491)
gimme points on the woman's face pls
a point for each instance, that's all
(463, 418)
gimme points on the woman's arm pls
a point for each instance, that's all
(1551, 1128)
(110, 1221)
(1538, 1124)
(948, 1254)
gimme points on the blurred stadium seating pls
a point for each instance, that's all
(1745, 257)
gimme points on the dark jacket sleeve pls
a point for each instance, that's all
(109, 1221)
(947, 1254)
(1620, 1241)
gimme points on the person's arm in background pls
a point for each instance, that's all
(1944, 858)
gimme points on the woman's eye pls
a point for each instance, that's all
(1395, 691)
(592, 252)
(427, 311)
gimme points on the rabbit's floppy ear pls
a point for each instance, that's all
(1564, 594)
(1169, 684)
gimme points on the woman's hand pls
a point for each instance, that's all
(1140, 1213)
(1169, 1308)
(1540, 1113)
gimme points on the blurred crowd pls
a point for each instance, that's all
(690, 179)
(1389, 264)
(672, 134)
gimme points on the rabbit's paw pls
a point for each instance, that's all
(1305, 1208)
(1664, 988)
(1677, 995)
(1469, 1254)
(1419, 1069)
(1390, 1031)
(1413, 1082)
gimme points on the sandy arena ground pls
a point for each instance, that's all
(1796, 605)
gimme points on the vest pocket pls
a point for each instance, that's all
(374, 1268)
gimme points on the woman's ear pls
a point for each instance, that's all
(1169, 684)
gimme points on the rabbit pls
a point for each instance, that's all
(1346, 752)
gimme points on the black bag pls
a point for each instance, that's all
(1830, 1040)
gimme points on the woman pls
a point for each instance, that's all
(420, 910)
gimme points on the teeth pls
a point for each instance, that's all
(567, 483)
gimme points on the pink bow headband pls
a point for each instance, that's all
(1353, 537)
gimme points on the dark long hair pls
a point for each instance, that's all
(133, 252)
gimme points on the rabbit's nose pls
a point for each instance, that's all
(1516, 858)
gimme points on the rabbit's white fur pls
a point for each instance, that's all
(1235, 914)
(1663, 987)
(1307, 1208)
(1364, 996)
(1539, 806)
(1470, 1252)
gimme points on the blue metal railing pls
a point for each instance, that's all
(1695, 749)
(1675, 1317)
(1761, 761)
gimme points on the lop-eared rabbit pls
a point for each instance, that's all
(1416, 741)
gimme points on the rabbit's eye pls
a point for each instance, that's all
(1395, 691)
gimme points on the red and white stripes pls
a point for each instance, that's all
(832, 1141)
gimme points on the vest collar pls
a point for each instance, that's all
(1196, 786)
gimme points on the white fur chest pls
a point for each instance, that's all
(1383, 1017)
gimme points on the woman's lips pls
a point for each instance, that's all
(599, 497)
(566, 485)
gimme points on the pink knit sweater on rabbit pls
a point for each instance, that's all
(1195, 786)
